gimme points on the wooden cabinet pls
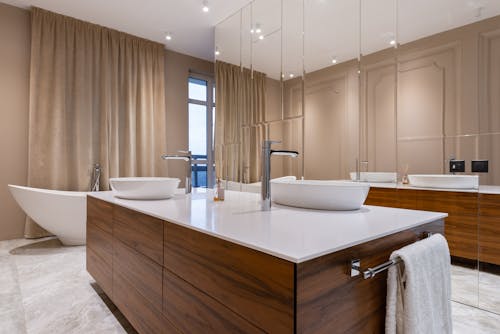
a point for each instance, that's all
(461, 225)
(100, 243)
(257, 286)
(489, 228)
(167, 278)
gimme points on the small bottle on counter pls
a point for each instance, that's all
(219, 192)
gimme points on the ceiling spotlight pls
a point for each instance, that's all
(261, 37)
(334, 60)
(257, 28)
(291, 75)
(217, 52)
(251, 31)
(168, 36)
(392, 42)
(205, 6)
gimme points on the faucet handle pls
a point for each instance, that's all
(268, 143)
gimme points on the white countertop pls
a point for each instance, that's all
(289, 233)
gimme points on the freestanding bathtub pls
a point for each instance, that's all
(63, 213)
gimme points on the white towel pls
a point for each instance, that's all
(419, 289)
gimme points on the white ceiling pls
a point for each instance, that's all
(331, 29)
(192, 29)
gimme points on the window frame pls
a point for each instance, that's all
(210, 116)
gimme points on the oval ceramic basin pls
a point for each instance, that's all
(319, 194)
(145, 188)
(382, 177)
(444, 181)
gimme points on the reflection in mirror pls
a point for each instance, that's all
(331, 43)
(378, 87)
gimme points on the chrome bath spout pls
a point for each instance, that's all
(187, 157)
(266, 171)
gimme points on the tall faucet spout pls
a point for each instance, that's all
(266, 171)
(187, 157)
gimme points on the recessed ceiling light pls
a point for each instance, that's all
(257, 28)
(217, 52)
(392, 42)
(251, 31)
(291, 75)
(261, 37)
(205, 6)
(168, 36)
(334, 60)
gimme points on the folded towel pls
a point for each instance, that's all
(419, 289)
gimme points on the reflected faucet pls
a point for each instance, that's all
(187, 157)
(358, 168)
(266, 171)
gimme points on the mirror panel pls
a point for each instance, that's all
(331, 99)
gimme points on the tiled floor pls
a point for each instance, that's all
(44, 288)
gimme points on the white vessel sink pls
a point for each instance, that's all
(319, 194)
(382, 177)
(444, 181)
(145, 188)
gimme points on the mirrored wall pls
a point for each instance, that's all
(387, 86)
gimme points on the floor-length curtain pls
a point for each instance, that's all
(239, 122)
(96, 96)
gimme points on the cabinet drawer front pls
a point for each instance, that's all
(205, 313)
(257, 286)
(141, 272)
(101, 271)
(101, 242)
(100, 213)
(139, 231)
(145, 318)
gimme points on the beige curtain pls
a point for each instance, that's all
(239, 122)
(96, 96)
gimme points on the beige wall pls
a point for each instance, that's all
(14, 95)
(177, 67)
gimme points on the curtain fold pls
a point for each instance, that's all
(239, 122)
(96, 96)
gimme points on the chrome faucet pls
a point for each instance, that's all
(187, 157)
(358, 168)
(266, 171)
(96, 175)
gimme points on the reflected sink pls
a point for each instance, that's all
(319, 194)
(444, 181)
(382, 177)
(145, 188)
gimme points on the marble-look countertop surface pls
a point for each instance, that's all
(293, 234)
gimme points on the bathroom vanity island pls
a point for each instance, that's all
(192, 265)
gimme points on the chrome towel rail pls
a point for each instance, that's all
(356, 269)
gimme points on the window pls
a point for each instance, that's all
(201, 108)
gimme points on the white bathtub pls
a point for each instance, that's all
(63, 213)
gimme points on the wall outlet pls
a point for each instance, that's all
(457, 166)
(479, 166)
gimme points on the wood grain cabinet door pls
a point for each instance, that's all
(140, 232)
(489, 228)
(256, 286)
(100, 243)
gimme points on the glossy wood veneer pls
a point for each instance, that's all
(257, 286)
(194, 312)
(461, 225)
(330, 301)
(140, 232)
(143, 273)
(489, 228)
